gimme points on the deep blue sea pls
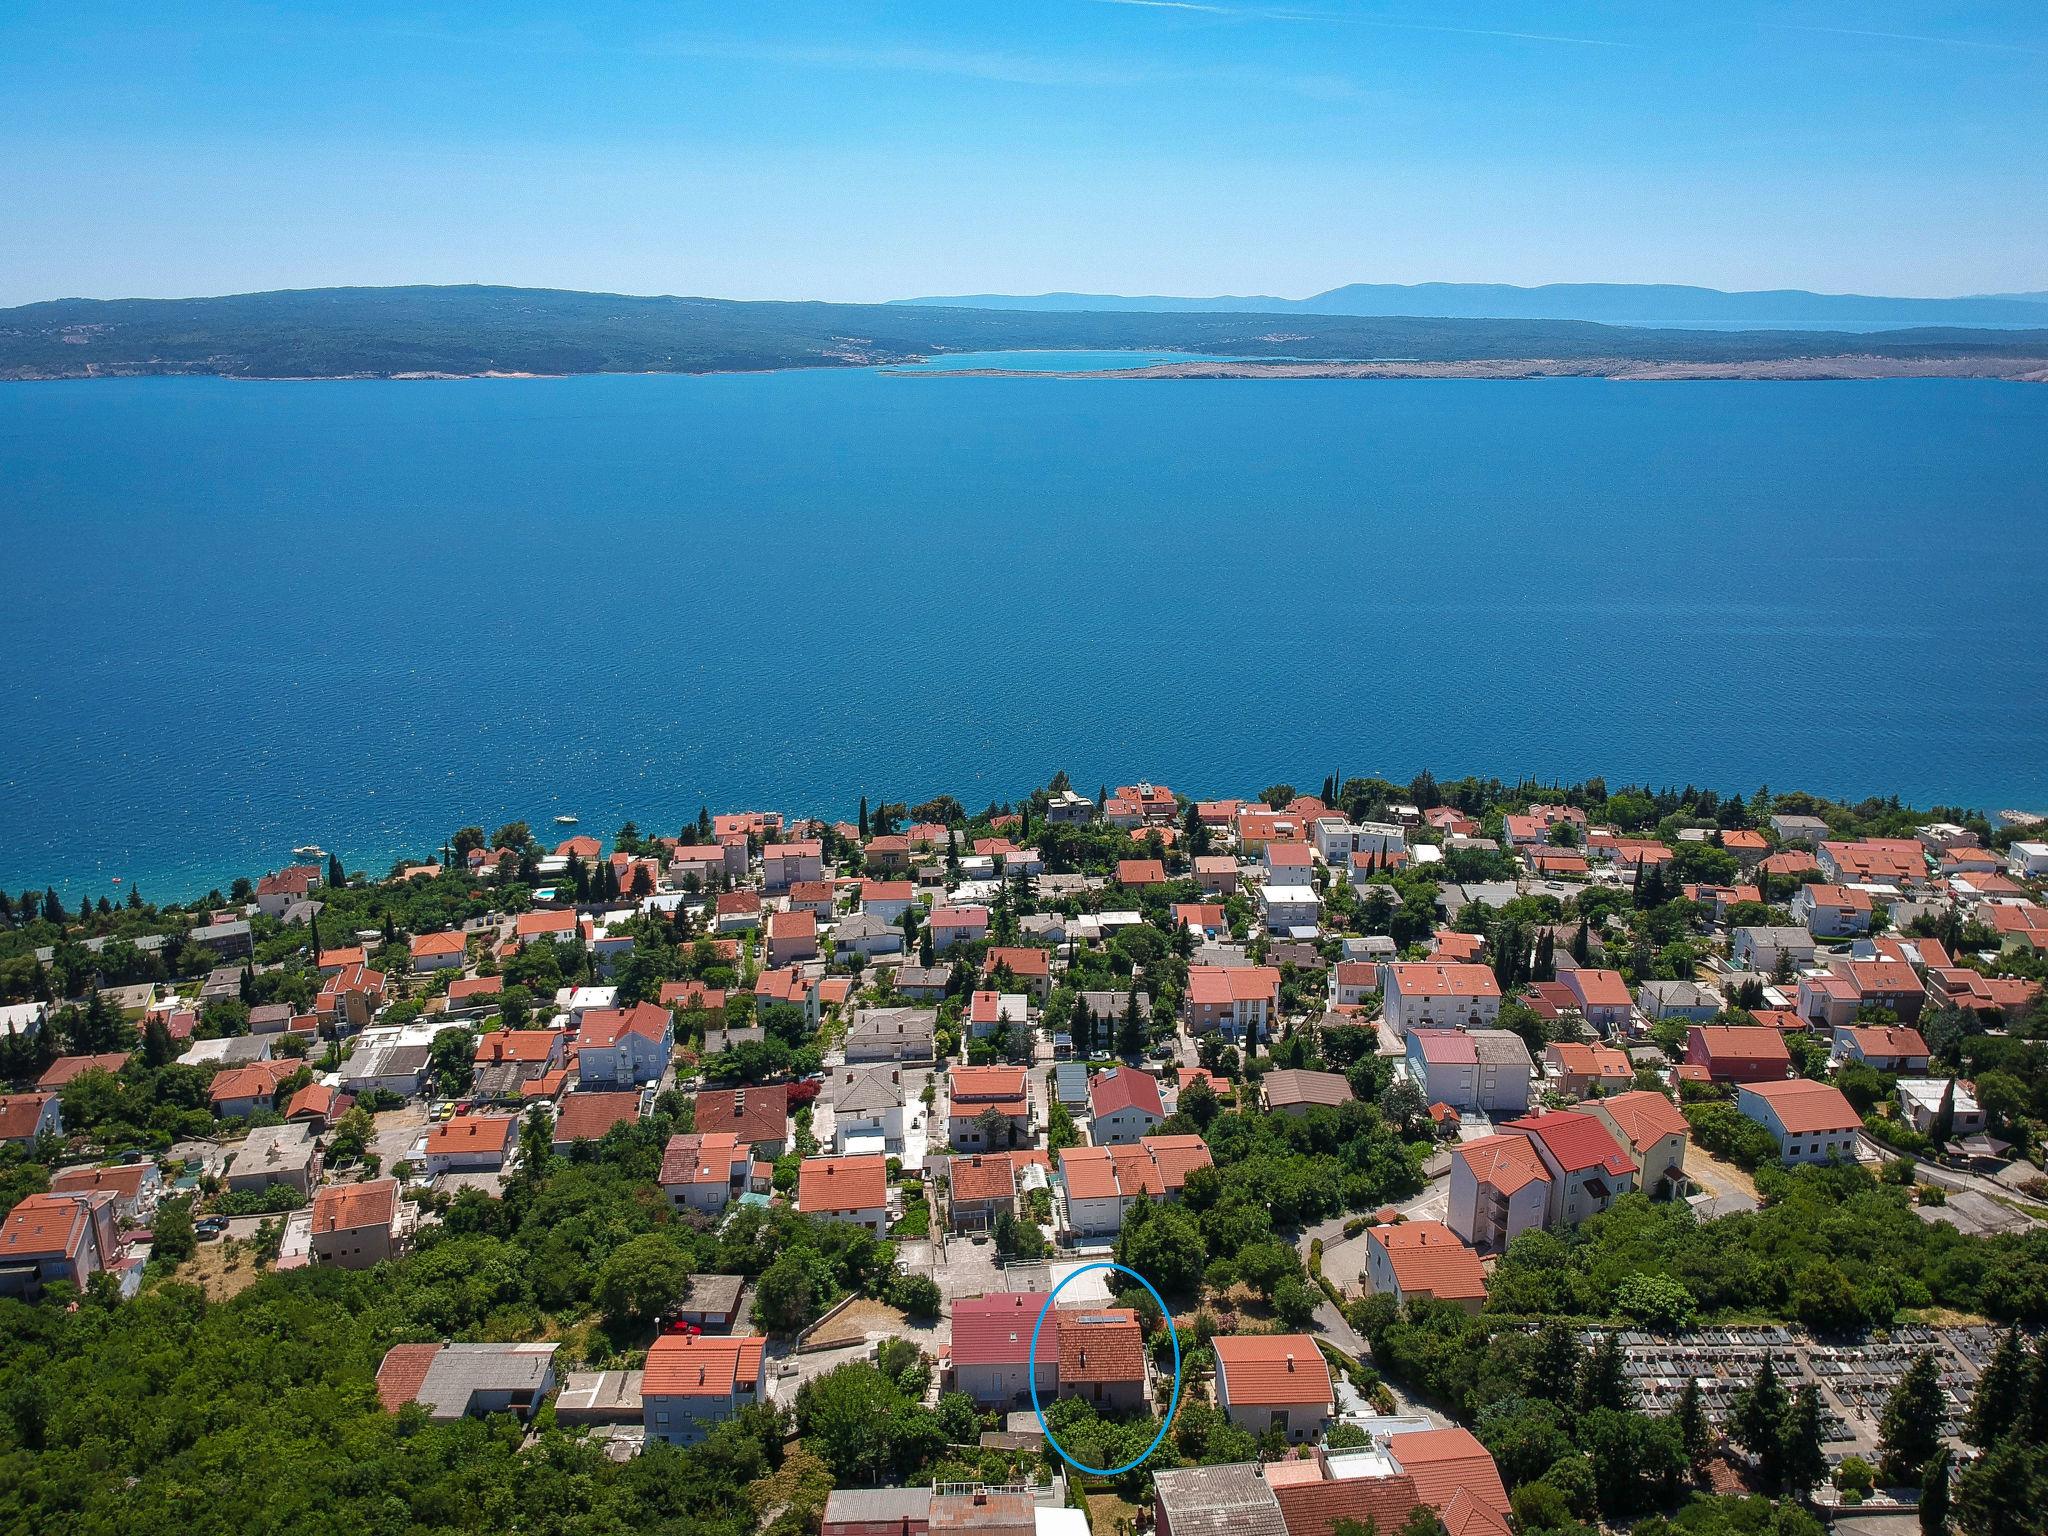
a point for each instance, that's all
(243, 616)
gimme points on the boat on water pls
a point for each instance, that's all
(565, 821)
(310, 851)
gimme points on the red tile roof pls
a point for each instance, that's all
(471, 1133)
(1101, 1345)
(1805, 1108)
(403, 1373)
(1577, 1140)
(831, 1185)
(1442, 1461)
(348, 1207)
(587, 1116)
(702, 1365)
(1430, 1258)
(1273, 1369)
(606, 1027)
(1428, 978)
(1124, 1088)
(66, 1068)
(1505, 1162)
(1645, 1117)
(996, 1330)
(756, 1114)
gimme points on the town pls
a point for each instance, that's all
(1495, 1157)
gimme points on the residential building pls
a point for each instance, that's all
(792, 938)
(239, 1092)
(1233, 999)
(587, 1116)
(470, 1142)
(625, 1046)
(1738, 1053)
(1429, 994)
(287, 1154)
(1102, 1183)
(867, 1105)
(1811, 1122)
(1588, 1169)
(1482, 1069)
(854, 1189)
(1029, 965)
(439, 952)
(136, 1188)
(1123, 1106)
(755, 1116)
(53, 1237)
(357, 1226)
(704, 1172)
(1603, 997)
(992, 1345)
(1686, 1000)
(981, 1187)
(1411, 1259)
(1775, 950)
(973, 1093)
(1586, 1070)
(1653, 1131)
(1886, 1048)
(1103, 1361)
(1293, 910)
(1499, 1190)
(951, 926)
(1296, 1092)
(1274, 1381)
(26, 1116)
(695, 1381)
(455, 1381)
(786, 864)
(891, 1034)
(1921, 1099)
(1833, 911)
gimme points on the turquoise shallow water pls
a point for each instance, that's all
(245, 616)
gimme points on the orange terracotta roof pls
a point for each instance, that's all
(1273, 1369)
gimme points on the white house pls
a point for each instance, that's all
(867, 1102)
(694, 1381)
(1274, 1381)
(1123, 1106)
(1499, 1190)
(625, 1046)
(1487, 1069)
(1290, 909)
(1427, 994)
(2027, 861)
(1811, 1122)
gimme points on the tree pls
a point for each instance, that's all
(640, 1280)
(1294, 1303)
(847, 1416)
(1604, 1383)
(792, 1290)
(1757, 1423)
(158, 1049)
(1804, 1444)
(1130, 1037)
(2003, 1492)
(1403, 1106)
(1164, 1245)
(1694, 1429)
(1934, 1494)
(2000, 1398)
(336, 875)
(1909, 1429)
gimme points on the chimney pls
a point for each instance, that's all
(1290, 1360)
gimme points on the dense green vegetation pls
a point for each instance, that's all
(382, 331)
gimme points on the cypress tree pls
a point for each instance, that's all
(1804, 1442)
(1934, 1494)
(1693, 1427)
(1909, 1430)
(1758, 1422)
(336, 875)
(2000, 1399)
(863, 818)
(1602, 1382)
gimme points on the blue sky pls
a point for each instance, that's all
(863, 150)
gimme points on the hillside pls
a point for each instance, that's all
(1662, 305)
(382, 332)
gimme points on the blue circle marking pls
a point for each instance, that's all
(1031, 1370)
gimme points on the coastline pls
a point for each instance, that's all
(2033, 370)
(1839, 367)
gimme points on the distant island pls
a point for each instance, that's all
(436, 332)
(1673, 305)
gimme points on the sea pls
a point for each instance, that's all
(241, 617)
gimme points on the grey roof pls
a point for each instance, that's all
(460, 1371)
(1501, 1048)
(1453, 899)
(1291, 1085)
(717, 1295)
(920, 976)
(1111, 1005)
(274, 1149)
(876, 1088)
(893, 1024)
(862, 925)
(1680, 994)
(386, 1061)
(1070, 1082)
(1233, 1500)
(1776, 935)
(877, 1506)
(209, 933)
(717, 1039)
